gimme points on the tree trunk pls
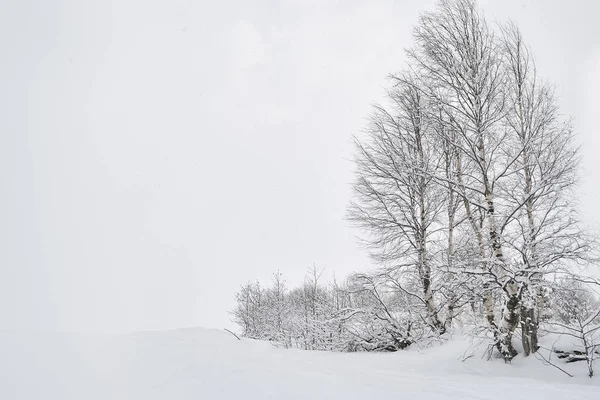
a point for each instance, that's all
(452, 298)
(424, 268)
(510, 320)
(488, 299)
(510, 309)
(530, 311)
(529, 329)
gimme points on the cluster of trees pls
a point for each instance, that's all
(366, 313)
(465, 178)
(465, 196)
(356, 315)
(297, 318)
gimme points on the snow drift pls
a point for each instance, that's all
(211, 364)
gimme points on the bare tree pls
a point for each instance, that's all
(395, 201)
(277, 311)
(457, 58)
(249, 312)
(578, 310)
(542, 216)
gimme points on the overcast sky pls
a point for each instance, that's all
(155, 155)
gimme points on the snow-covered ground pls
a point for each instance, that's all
(205, 364)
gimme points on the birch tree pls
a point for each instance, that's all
(458, 58)
(541, 194)
(395, 201)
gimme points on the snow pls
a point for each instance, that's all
(211, 364)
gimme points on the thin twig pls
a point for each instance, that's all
(546, 361)
(236, 336)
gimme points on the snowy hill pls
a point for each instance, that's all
(210, 364)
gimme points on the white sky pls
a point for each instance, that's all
(155, 155)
